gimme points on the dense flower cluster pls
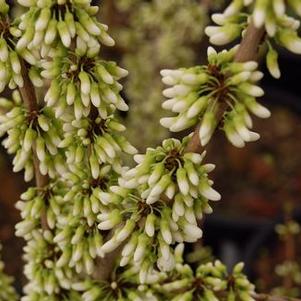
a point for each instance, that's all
(10, 64)
(280, 27)
(36, 200)
(122, 288)
(62, 21)
(163, 198)
(78, 235)
(29, 133)
(45, 275)
(82, 81)
(99, 139)
(202, 92)
(210, 282)
(7, 292)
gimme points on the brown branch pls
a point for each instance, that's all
(289, 247)
(264, 297)
(247, 51)
(206, 4)
(107, 264)
(30, 100)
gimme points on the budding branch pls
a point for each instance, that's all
(247, 51)
(30, 100)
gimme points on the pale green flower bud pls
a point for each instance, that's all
(260, 10)
(64, 33)
(3, 50)
(141, 247)
(150, 225)
(126, 231)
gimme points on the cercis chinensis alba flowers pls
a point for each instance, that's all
(7, 291)
(87, 205)
(200, 92)
(281, 28)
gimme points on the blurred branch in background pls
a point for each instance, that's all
(166, 34)
(263, 297)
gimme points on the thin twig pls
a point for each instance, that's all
(30, 100)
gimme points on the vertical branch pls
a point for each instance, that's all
(30, 100)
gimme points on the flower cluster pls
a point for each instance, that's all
(169, 170)
(98, 139)
(74, 136)
(29, 132)
(61, 21)
(77, 233)
(289, 269)
(81, 81)
(7, 292)
(36, 200)
(147, 230)
(121, 288)
(46, 277)
(163, 198)
(10, 63)
(280, 27)
(203, 92)
(211, 281)
(289, 228)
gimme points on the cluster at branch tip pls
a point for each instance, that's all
(210, 282)
(61, 22)
(10, 66)
(30, 133)
(83, 81)
(280, 27)
(162, 198)
(201, 93)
